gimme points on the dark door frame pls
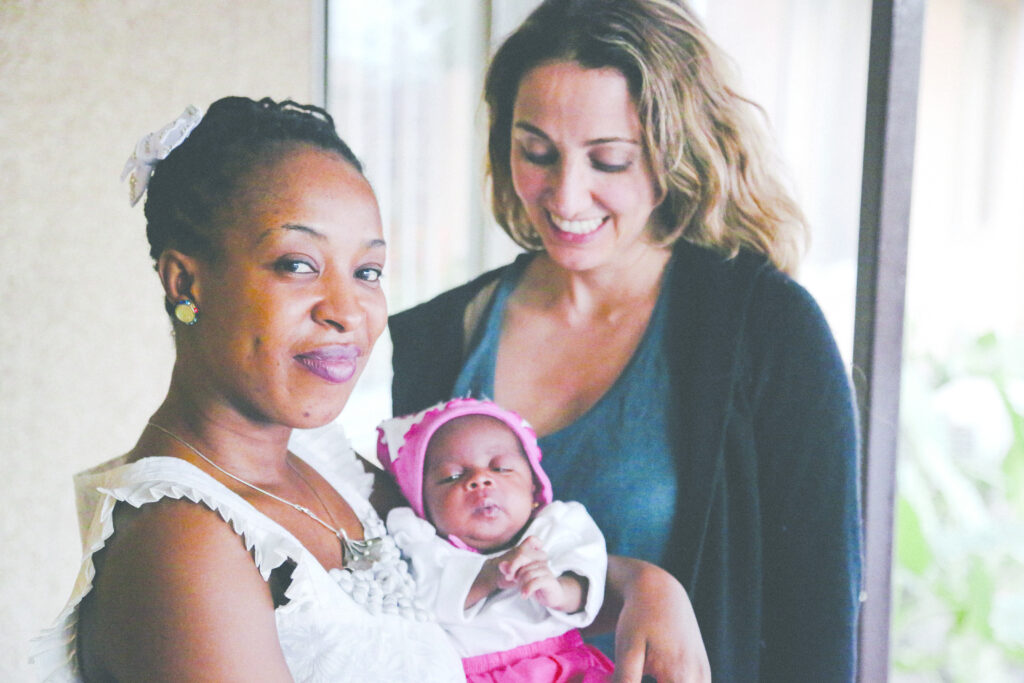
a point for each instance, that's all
(897, 27)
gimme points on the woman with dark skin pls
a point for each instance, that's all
(686, 390)
(213, 552)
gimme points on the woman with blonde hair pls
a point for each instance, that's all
(685, 388)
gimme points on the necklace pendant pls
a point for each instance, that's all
(360, 554)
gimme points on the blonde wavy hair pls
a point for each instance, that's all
(710, 157)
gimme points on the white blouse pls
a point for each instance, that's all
(335, 626)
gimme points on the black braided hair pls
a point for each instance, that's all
(200, 176)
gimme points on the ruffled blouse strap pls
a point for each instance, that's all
(100, 489)
(151, 479)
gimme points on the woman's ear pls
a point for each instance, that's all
(179, 276)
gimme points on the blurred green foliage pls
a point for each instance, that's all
(958, 575)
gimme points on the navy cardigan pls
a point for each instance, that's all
(767, 537)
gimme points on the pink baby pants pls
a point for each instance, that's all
(562, 659)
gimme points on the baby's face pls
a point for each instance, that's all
(477, 483)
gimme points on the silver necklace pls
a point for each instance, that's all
(354, 554)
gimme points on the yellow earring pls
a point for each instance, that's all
(186, 312)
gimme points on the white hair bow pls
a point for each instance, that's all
(155, 147)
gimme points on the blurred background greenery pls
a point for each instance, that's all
(958, 565)
(958, 576)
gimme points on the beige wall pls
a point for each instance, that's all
(85, 351)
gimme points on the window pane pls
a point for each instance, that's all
(958, 576)
(404, 82)
(805, 63)
(404, 79)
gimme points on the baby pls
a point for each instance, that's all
(508, 573)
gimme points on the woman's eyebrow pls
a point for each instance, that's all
(601, 141)
(534, 130)
(530, 128)
(290, 226)
(374, 243)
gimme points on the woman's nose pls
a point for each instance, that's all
(570, 192)
(339, 306)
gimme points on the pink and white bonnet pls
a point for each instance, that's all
(402, 444)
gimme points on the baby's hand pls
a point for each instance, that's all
(536, 581)
(499, 573)
(526, 566)
(526, 553)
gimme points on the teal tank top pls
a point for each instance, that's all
(617, 459)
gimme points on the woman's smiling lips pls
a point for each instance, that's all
(575, 230)
(335, 363)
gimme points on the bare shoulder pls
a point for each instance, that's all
(177, 597)
(173, 539)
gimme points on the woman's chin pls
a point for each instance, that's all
(576, 259)
(578, 255)
(312, 420)
(317, 413)
(322, 402)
